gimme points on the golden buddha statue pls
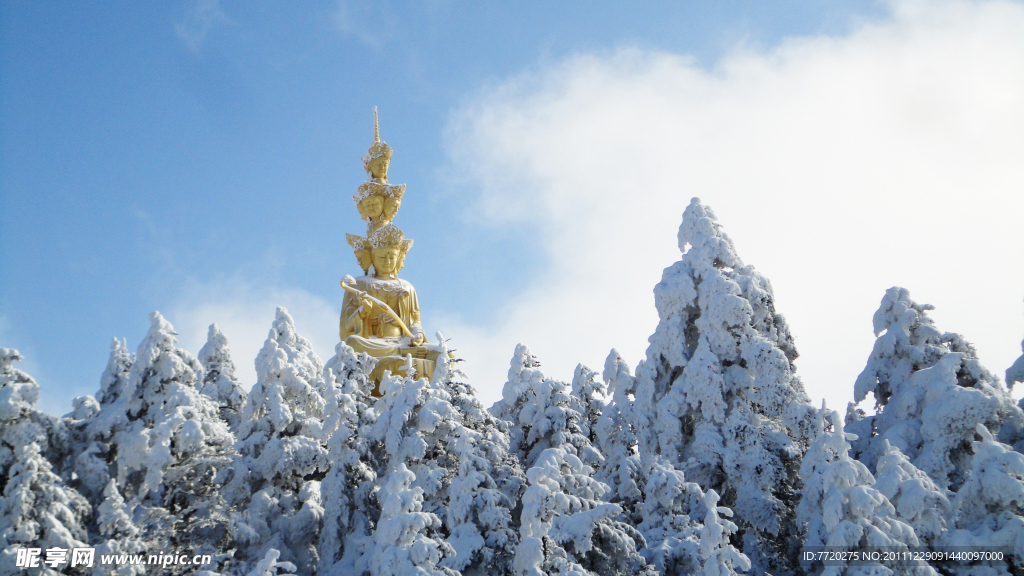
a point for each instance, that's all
(380, 314)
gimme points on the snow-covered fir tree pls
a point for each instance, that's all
(219, 381)
(165, 444)
(349, 490)
(917, 499)
(488, 483)
(588, 400)
(543, 410)
(118, 533)
(282, 453)
(720, 557)
(616, 438)
(403, 544)
(19, 418)
(672, 514)
(461, 469)
(37, 508)
(91, 459)
(567, 525)
(524, 370)
(931, 392)
(414, 421)
(717, 396)
(840, 508)
(990, 505)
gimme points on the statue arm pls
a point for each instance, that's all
(351, 319)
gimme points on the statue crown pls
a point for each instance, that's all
(386, 236)
(378, 148)
(367, 189)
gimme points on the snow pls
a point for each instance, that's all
(707, 458)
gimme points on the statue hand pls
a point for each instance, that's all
(418, 337)
(365, 307)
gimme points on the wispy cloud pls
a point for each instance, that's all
(371, 23)
(198, 22)
(839, 165)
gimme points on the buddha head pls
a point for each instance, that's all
(378, 166)
(361, 248)
(385, 261)
(391, 206)
(371, 207)
(388, 248)
(365, 260)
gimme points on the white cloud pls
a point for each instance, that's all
(244, 310)
(198, 22)
(840, 166)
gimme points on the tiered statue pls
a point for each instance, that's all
(380, 314)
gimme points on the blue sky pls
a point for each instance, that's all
(198, 158)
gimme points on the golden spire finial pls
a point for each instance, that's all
(377, 150)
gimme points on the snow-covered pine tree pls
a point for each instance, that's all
(114, 524)
(404, 546)
(917, 499)
(115, 378)
(350, 509)
(91, 462)
(91, 469)
(19, 418)
(415, 421)
(165, 443)
(456, 460)
(488, 483)
(622, 468)
(989, 506)
(931, 392)
(439, 452)
(219, 381)
(37, 509)
(840, 508)
(567, 528)
(282, 453)
(672, 512)
(720, 557)
(524, 371)
(588, 400)
(543, 410)
(717, 396)
(566, 524)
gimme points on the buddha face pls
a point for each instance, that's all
(371, 207)
(385, 261)
(391, 206)
(379, 167)
(365, 259)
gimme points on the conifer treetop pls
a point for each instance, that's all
(703, 240)
(18, 391)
